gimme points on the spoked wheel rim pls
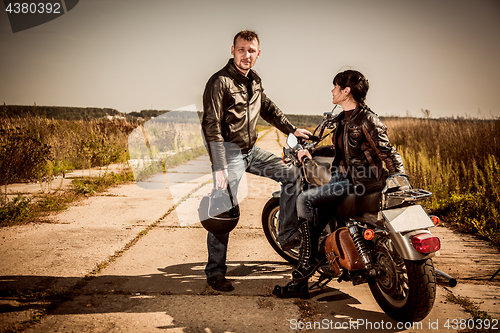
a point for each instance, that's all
(393, 278)
(273, 224)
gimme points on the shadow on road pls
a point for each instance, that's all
(178, 290)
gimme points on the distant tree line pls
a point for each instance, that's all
(147, 114)
(73, 113)
(79, 113)
(56, 112)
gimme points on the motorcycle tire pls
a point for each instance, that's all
(270, 215)
(407, 290)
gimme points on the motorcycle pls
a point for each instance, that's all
(380, 238)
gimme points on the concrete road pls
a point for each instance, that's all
(147, 263)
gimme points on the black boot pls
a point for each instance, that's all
(308, 262)
(292, 290)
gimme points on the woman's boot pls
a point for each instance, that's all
(308, 262)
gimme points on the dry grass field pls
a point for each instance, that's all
(36, 148)
(458, 160)
(33, 148)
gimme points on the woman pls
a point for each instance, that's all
(359, 146)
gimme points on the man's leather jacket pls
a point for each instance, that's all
(365, 146)
(231, 112)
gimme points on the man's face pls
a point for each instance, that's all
(245, 54)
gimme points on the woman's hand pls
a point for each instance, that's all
(302, 153)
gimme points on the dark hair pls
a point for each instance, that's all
(354, 80)
(246, 35)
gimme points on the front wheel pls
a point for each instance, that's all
(270, 215)
(405, 290)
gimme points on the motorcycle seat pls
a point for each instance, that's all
(355, 205)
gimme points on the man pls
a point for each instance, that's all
(232, 102)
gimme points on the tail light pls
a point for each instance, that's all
(426, 243)
(435, 220)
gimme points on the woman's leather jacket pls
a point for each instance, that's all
(365, 147)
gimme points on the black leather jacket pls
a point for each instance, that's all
(231, 112)
(361, 156)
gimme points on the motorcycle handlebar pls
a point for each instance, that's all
(313, 138)
(310, 138)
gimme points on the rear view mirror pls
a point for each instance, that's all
(291, 141)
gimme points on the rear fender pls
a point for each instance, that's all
(405, 248)
(404, 223)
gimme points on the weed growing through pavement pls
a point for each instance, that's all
(473, 309)
(265, 303)
(307, 310)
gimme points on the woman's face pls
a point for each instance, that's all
(340, 95)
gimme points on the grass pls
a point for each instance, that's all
(24, 209)
(307, 310)
(480, 318)
(159, 165)
(457, 160)
(16, 211)
(37, 149)
(161, 143)
(90, 185)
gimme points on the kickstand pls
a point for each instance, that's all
(323, 280)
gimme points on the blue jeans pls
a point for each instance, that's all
(262, 163)
(310, 201)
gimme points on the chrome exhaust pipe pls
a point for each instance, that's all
(444, 279)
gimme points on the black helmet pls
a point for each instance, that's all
(217, 212)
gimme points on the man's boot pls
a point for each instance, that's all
(308, 262)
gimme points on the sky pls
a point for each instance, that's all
(440, 55)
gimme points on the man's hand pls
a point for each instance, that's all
(302, 153)
(302, 133)
(221, 179)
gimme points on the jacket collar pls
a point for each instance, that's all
(235, 73)
(354, 114)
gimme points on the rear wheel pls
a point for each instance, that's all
(270, 215)
(404, 289)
